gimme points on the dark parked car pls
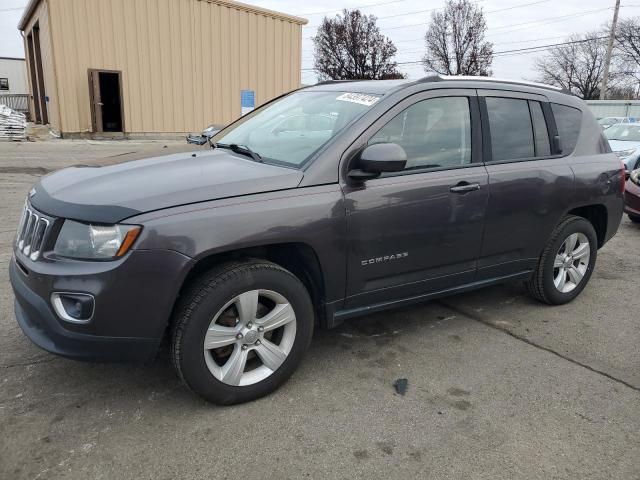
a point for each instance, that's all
(330, 202)
(632, 197)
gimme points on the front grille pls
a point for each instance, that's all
(32, 232)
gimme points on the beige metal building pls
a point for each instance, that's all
(155, 67)
(13, 76)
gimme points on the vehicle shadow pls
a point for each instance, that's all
(366, 342)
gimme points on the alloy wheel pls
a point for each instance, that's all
(571, 262)
(250, 337)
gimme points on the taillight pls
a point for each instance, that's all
(623, 177)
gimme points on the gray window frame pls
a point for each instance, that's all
(443, 167)
(487, 152)
(406, 102)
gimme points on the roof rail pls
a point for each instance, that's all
(443, 78)
(328, 82)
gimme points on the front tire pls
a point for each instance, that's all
(566, 263)
(634, 218)
(241, 330)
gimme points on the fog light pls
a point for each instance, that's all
(73, 307)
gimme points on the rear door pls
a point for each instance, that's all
(530, 183)
(419, 230)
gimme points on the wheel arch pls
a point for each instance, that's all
(597, 215)
(297, 257)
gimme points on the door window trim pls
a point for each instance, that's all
(552, 131)
(360, 143)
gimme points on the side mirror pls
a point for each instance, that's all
(210, 132)
(196, 139)
(379, 158)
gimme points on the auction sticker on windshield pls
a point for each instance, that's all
(360, 98)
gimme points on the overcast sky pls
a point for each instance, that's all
(512, 24)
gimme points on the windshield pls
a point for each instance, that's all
(609, 120)
(630, 133)
(289, 131)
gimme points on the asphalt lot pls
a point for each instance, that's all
(499, 385)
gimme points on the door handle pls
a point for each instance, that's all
(464, 187)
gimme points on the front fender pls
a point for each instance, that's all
(314, 216)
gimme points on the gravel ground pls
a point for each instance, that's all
(499, 385)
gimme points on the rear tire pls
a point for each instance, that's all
(240, 331)
(634, 218)
(566, 263)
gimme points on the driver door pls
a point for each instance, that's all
(418, 231)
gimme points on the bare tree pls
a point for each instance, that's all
(455, 41)
(627, 46)
(350, 46)
(622, 92)
(577, 66)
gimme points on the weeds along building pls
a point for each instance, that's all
(154, 67)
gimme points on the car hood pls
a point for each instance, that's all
(112, 193)
(620, 145)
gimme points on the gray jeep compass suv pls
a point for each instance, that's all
(329, 202)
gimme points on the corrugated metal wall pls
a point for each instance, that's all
(41, 17)
(615, 108)
(15, 71)
(183, 62)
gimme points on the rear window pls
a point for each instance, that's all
(568, 120)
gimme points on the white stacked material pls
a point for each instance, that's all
(13, 124)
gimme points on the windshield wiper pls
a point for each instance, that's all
(241, 149)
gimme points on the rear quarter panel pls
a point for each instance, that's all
(598, 176)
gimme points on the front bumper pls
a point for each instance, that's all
(632, 199)
(134, 299)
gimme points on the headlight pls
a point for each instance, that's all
(635, 176)
(625, 153)
(95, 242)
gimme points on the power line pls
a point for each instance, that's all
(11, 9)
(554, 19)
(352, 8)
(530, 24)
(510, 43)
(548, 46)
(415, 12)
(520, 51)
(422, 49)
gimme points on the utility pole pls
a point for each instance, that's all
(607, 60)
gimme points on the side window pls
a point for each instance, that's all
(540, 132)
(511, 129)
(568, 120)
(434, 133)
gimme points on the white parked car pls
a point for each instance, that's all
(606, 122)
(624, 139)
